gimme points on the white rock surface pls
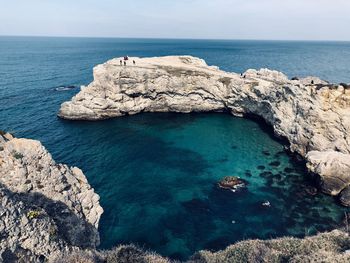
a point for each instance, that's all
(310, 113)
(45, 207)
(332, 165)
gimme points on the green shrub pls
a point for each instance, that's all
(17, 155)
(33, 214)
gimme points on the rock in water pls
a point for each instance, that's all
(333, 169)
(232, 183)
(310, 190)
(345, 196)
(45, 207)
(312, 117)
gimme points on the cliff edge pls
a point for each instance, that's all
(313, 115)
(45, 207)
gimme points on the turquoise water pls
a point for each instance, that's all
(157, 173)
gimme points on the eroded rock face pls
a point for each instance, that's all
(310, 113)
(44, 207)
(345, 196)
(332, 167)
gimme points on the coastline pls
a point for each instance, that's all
(311, 114)
(250, 99)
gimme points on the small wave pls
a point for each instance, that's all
(64, 88)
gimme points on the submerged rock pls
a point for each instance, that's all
(232, 183)
(266, 174)
(288, 170)
(310, 190)
(275, 163)
(266, 153)
(248, 174)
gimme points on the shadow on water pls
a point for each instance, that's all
(266, 128)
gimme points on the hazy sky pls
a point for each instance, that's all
(218, 19)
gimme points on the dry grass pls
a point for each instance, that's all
(121, 254)
(81, 256)
(327, 248)
(321, 248)
(126, 254)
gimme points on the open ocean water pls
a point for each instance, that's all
(157, 173)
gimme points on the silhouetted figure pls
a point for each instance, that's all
(121, 63)
(312, 82)
(124, 63)
(134, 62)
(244, 76)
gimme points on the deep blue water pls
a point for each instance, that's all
(157, 173)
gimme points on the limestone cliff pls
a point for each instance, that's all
(45, 208)
(313, 115)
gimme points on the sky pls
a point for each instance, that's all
(208, 19)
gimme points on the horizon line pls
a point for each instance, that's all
(178, 38)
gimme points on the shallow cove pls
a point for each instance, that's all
(148, 168)
(157, 175)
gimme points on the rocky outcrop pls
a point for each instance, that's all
(45, 208)
(332, 167)
(232, 183)
(313, 115)
(344, 196)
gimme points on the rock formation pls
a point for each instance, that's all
(313, 115)
(45, 208)
(232, 183)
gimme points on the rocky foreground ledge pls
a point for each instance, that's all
(45, 208)
(327, 248)
(313, 115)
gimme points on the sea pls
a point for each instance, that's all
(157, 174)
